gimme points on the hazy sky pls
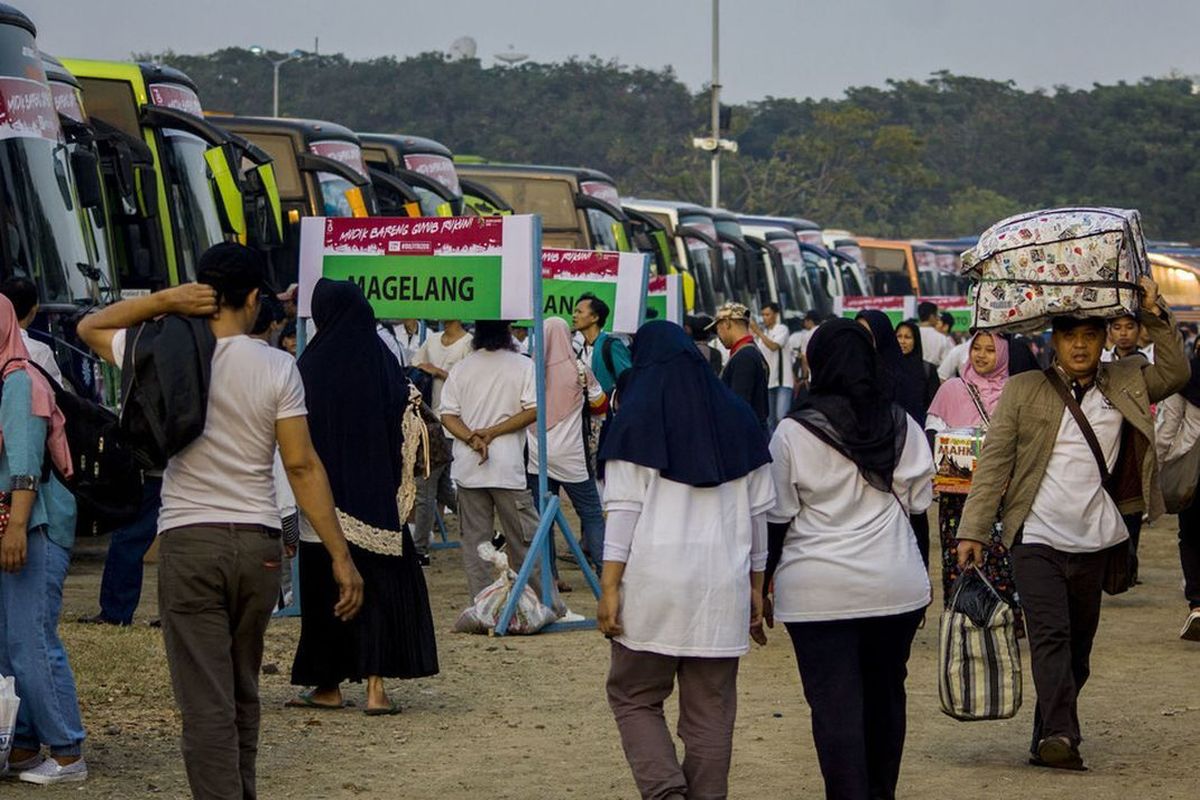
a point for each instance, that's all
(768, 47)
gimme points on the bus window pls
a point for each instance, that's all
(818, 280)
(553, 199)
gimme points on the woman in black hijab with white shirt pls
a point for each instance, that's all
(850, 583)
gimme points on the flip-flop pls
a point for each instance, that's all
(306, 701)
(390, 711)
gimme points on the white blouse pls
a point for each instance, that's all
(850, 550)
(686, 587)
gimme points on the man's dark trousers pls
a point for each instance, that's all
(1060, 594)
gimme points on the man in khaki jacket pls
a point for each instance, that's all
(1038, 472)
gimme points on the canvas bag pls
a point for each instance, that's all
(1178, 479)
(979, 675)
(1065, 261)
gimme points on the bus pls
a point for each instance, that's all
(580, 208)
(750, 270)
(697, 251)
(891, 266)
(425, 167)
(320, 171)
(1177, 273)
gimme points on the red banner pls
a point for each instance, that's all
(601, 191)
(347, 153)
(580, 264)
(27, 110)
(858, 302)
(177, 97)
(66, 101)
(433, 236)
(439, 168)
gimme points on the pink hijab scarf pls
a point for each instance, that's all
(563, 392)
(12, 346)
(953, 403)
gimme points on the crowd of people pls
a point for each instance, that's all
(728, 474)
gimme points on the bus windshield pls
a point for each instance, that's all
(702, 269)
(190, 198)
(818, 281)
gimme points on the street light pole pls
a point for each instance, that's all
(716, 103)
(275, 65)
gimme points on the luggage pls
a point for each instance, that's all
(980, 664)
(1081, 262)
(484, 614)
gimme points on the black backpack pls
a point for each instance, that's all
(107, 483)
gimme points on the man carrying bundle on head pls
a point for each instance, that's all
(1054, 440)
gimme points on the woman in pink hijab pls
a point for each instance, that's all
(37, 521)
(571, 392)
(968, 402)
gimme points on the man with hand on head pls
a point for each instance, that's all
(220, 552)
(746, 371)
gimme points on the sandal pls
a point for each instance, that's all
(391, 711)
(305, 700)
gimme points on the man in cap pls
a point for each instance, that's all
(746, 372)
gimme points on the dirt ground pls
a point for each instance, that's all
(526, 718)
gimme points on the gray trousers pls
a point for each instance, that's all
(217, 585)
(433, 491)
(477, 509)
(638, 683)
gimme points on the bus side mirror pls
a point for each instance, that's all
(85, 166)
(145, 181)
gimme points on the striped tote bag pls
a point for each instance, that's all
(980, 663)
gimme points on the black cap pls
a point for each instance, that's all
(234, 270)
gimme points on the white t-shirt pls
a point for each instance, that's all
(686, 588)
(442, 357)
(934, 345)
(1109, 353)
(1071, 511)
(484, 389)
(227, 474)
(779, 335)
(391, 343)
(42, 354)
(849, 551)
(568, 461)
(954, 361)
(409, 342)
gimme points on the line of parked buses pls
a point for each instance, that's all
(114, 179)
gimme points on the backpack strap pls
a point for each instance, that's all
(1081, 420)
(606, 356)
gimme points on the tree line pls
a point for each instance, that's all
(941, 157)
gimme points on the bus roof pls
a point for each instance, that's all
(405, 144)
(497, 168)
(55, 71)
(795, 223)
(309, 130)
(12, 16)
(677, 206)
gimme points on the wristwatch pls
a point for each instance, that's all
(24, 483)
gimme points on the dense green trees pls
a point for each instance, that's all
(941, 157)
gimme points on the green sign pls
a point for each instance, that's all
(429, 287)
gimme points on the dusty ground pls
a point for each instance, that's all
(526, 717)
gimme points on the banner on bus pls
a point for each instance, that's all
(664, 300)
(619, 279)
(961, 308)
(898, 308)
(27, 110)
(467, 268)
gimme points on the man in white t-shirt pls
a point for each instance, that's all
(488, 402)
(219, 553)
(408, 335)
(436, 357)
(774, 342)
(24, 297)
(934, 344)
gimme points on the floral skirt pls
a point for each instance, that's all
(997, 562)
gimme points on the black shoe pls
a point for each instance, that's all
(423, 559)
(1057, 752)
(498, 541)
(99, 619)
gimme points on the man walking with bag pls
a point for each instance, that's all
(1070, 450)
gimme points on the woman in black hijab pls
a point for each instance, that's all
(898, 380)
(914, 365)
(356, 395)
(850, 585)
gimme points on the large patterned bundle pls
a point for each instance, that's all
(1081, 262)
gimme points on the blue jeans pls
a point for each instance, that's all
(121, 586)
(586, 500)
(778, 405)
(30, 650)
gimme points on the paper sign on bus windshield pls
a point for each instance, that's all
(619, 279)
(27, 110)
(467, 268)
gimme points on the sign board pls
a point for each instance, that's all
(665, 298)
(898, 308)
(467, 268)
(619, 279)
(961, 308)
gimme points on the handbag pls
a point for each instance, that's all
(591, 426)
(1118, 560)
(979, 667)
(1178, 479)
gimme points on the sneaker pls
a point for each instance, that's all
(1057, 752)
(1191, 628)
(50, 772)
(98, 619)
